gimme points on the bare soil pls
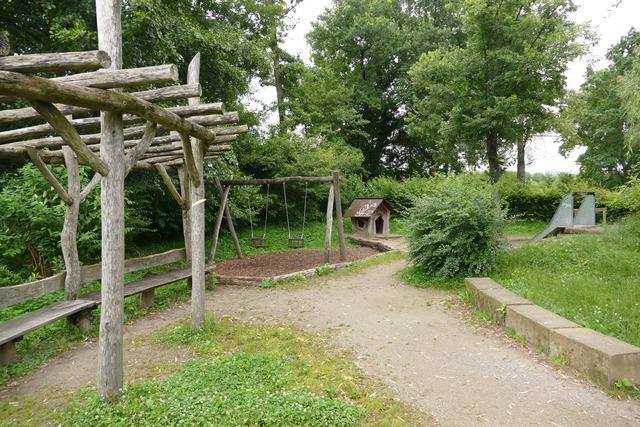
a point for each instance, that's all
(415, 341)
(283, 262)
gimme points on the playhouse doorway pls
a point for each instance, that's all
(379, 225)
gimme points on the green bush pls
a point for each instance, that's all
(456, 230)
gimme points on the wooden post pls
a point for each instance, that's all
(197, 212)
(68, 239)
(185, 191)
(216, 228)
(110, 356)
(227, 214)
(338, 199)
(327, 235)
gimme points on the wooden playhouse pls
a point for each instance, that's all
(370, 216)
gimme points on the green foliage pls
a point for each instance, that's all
(455, 231)
(421, 279)
(601, 117)
(240, 389)
(368, 45)
(591, 279)
(497, 87)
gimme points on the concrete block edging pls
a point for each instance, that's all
(603, 358)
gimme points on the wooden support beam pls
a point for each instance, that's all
(338, 200)
(195, 149)
(138, 151)
(192, 169)
(110, 378)
(169, 184)
(36, 88)
(216, 227)
(68, 238)
(56, 62)
(169, 93)
(230, 226)
(70, 135)
(26, 134)
(329, 230)
(272, 181)
(185, 191)
(49, 176)
(110, 79)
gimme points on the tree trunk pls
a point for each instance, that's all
(197, 215)
(277, 75)
(70, 228)
(520, 174)
(110, 354)
(491, 142)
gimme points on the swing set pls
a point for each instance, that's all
(258, 241)
(295, 241)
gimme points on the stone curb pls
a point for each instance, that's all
(603, 358)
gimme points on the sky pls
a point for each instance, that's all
(609, 24)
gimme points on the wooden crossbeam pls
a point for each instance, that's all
(272, 181)
(93, 123)
(169, 93)
(49, 176)
(70, 135)
(162, 171)
(55, 62)
(36, 88)
(109, 79)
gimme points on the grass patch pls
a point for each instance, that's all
(522, 228)
(593, 280)
(238, 374)
(39, 346)
(421, 279)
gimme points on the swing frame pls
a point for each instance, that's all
(333, 203)
(295, 242)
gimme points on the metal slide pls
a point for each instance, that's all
(564, 217)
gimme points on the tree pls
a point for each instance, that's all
(501, 85)
(369, 45)
(602, 116)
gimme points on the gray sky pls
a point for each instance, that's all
(608, 23)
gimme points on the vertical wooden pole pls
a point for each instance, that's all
(70, 228)
(197, 215)
(216, 227)
(338, 199)
(110, 357)
(185, 189)
(328, 231)
(227, 214)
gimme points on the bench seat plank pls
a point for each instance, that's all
(16, 328)
(151, 281)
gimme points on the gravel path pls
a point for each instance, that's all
(423, 351)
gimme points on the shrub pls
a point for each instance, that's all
(456, 230)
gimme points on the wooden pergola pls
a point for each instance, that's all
(131, 132)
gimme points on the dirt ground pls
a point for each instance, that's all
(411, 339)
(276, 263)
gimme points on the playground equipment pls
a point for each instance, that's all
(295, 242)
(260, 241)
(566, 217)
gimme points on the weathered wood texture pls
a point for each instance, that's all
(197, 212)
(224, 196)
(190, 159)
(185, 192)
(15, 328)
(329, 229)
(49, 176)
(56, 62)
(70, 135)
(110, 79)
(308, 179)
(93, 123)
(36, 88)
(110, 352)
(68, 238)
(10, 295)
(339, 220)
(230, 226)
(169, 93)
(162, 171)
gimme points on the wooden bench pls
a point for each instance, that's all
(79, 310)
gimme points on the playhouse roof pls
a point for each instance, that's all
(365, 207)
